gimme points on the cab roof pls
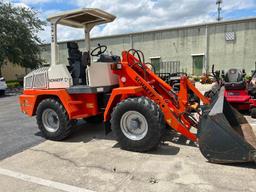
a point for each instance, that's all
(81, 17)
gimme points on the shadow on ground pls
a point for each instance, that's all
(250, 165)
(174, 137)
(86, 132)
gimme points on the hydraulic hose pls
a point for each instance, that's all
(140, 55)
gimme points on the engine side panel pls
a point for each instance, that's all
(77, 105)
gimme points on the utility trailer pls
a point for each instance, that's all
(137, 105)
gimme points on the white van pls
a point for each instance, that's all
(3, 85)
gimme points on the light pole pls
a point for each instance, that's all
(218, 3)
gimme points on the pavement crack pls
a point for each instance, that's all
(56, 156)
(131, 175)
(114, 170)
(108, 170)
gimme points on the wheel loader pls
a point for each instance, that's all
(136, 104)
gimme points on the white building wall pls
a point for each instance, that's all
(180, 44)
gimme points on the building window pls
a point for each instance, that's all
(198, 61)
(230, 36)
(155, 62)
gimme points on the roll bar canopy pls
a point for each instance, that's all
(81, 17)
(85, 18)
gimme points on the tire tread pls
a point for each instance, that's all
(155, 120)
(66, 124)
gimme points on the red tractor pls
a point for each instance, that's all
(136, 103)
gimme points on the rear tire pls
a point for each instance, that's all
(138, 124)
(253, 113)
(53, 120)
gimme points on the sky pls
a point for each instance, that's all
(139, 15)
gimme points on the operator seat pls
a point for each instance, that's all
(77, 63)
(234, 79)
(85, 61)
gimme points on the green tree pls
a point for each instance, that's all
(19, 41)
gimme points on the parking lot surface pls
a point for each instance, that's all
(91, 161)
(17, 132)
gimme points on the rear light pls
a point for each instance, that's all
(2, 79)
(116, 66)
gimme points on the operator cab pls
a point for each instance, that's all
(83, 75)
(79, 61)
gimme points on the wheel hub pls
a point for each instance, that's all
(50, 120)
(134, 125)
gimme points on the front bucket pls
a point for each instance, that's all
(225, 136)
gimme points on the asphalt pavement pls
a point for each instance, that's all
(17, 131)
(91, 161)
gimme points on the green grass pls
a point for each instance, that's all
(13, 84)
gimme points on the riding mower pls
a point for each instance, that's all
(236, 91)
(252, 92)
(137, 105)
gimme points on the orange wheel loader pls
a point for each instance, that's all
(137, 105)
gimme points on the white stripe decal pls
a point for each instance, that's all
(44, 182)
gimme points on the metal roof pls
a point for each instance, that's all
(80, 17)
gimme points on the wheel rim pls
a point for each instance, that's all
(134, 125)
(50, 120)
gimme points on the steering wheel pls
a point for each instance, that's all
(99, 50)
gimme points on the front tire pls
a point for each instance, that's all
(53, 120)
(138, 124)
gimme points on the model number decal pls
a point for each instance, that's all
(147, 90)
(59, 80)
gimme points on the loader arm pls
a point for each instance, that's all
(225, 136)
(132, 72)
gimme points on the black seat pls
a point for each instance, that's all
(234, 79)
(77, 63)
(85, 61)
(235, 85)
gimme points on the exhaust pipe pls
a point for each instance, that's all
(224, 135)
